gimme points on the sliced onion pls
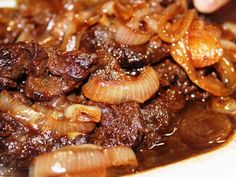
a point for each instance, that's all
(72, 160)
(127, 36)
(204, 48)
(108, 7)
(230, 26)
(48, 111)
(60, 103)
(8, 4)
(83, 113)
(230, 46)
(210, 84)
(152, 23)
(81, 160)
(181, 30)
(121, 155)
(138, 89)
(225, 105)
(39, 120)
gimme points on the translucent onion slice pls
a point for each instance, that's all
(127, 36)
(208, 83)
(230, 26)
(137, 89)
(225, 105)
(8, 4)
(39, 120)
(169, 35)
(204, 48)
(83, 113)
(48, 111)
(108, 8)
(121, 155)
(81, 160)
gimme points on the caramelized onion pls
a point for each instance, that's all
(168, 35)
(48, 111)
(204, 48)
(83, 113)
(39, 120)
(8, 4)
(83, 160)
(80, 160)
(128, 36)
(225, 105)
(208, 83)
(121, 155)
(138, 89)
(108, 7)
(230, 26)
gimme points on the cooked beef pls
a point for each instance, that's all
(19, 144)
(13, 61)
(128, 56)
(138, 56)
(68, 70)
(158, 114)
(46, 88)
(6, 83)
(172, 74)
(120, 125)
(48, 72)
(71, 65)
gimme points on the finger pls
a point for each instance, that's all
(208, 6)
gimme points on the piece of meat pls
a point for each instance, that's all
(48, 72)
(139, 56)
(156, 118)
(46, 88)
(19, 144)
(71, 65)
(158, 115)
(17, 59)
(171, 74)
(6, 83)
(66, 71)
(128, 56)
(13, 61)
(120, 125)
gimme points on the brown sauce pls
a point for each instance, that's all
(179, 143)
(174, 149)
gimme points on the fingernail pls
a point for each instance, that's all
(205, 6)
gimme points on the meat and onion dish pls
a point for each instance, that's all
(111, 87)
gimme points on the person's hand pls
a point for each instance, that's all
(208, 6)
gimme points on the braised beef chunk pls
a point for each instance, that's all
(49, 72)
(71, 65)
(13, 61)
(6, 83)
(46, 88)
(172, 74)
(19, 144)
(120, 125)
(128, 56)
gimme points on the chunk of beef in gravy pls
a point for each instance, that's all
(128, 56)
(120, 125)
(65, 72)
(20, 143)
(17, 59)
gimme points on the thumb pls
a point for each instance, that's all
(208, 6)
